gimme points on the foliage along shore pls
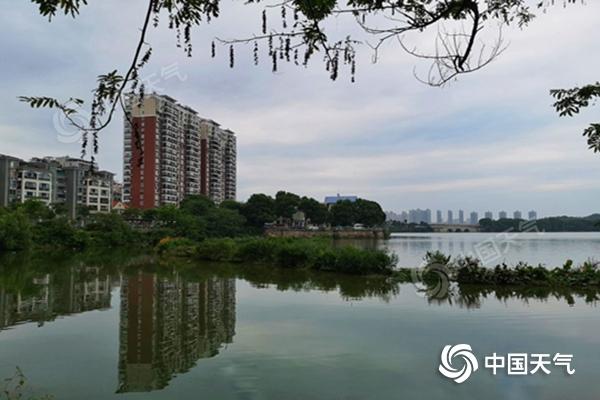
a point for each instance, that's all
(470, 271)
(297, 253)
(34, 225)
(320, 255)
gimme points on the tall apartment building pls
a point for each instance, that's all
(170, 152)
(532, 215)
(55, 180)
(517, 215)
(474, 218)
(417, 216)
(489, 215)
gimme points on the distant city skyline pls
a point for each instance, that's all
(463, 217)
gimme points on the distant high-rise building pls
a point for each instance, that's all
(404, 216)
(502, 215)
(417, 216)
(532, 215)
(218, 162)
(461, 217)
(392, 216)
(474, 218)
(450, 219)
(489, 215)
(170, 152)
(517, 215)
(438, 217)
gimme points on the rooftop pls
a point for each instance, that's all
(334, 199)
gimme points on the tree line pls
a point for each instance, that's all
(33, 224)
(590, 223)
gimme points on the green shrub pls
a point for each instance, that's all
(110, 230)
(216, 250)
(60, 233)
(255, 250)
(178, 247)
(436, 257)
(293, 254)
(353, 260)
(297, 253)
(15, 231)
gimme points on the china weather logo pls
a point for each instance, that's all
(459, 354)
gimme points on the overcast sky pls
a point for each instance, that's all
(490, 141)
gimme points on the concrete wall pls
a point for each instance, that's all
(337, 234)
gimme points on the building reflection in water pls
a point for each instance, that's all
(168, 324)
(50, 296)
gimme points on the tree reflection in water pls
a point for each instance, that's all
(174, 313)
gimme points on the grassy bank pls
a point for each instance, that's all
(314, 254)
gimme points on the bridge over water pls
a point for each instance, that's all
(455, 228)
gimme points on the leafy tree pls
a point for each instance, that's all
(316, 212)
(132, 213)
(15, 231)
(301, 35)
(83, 212)
(569, 102)
(369, 213)
(59, 209)
(343, 213)
(286, 204)
(59, 233)
(223, 222)
(109, 230)
(197, 205)
(35, 210)
(259, 210)
(551, 224)
(231, 205)
(176, 222)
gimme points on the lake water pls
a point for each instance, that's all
(98, 328)
(549, 248)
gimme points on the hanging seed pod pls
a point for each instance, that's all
(231, 57)
(255, 51)
(213, 49)
(283, 17)
(264, 22)
(274, 57)
(281, 46)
